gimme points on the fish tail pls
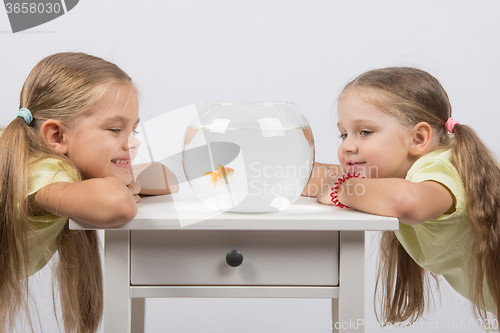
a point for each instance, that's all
(213, 178)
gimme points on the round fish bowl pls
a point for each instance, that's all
(248, 157)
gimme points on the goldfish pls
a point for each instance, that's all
(221, 175)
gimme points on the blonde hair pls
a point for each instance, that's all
(64, 87)
(416, 96)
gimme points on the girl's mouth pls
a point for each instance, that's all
(353, 164)
(122, 163)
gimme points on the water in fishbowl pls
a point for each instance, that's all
(268, 172)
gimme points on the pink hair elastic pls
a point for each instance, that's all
(336, 186)
(450, 125)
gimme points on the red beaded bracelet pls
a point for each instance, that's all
(336, 186)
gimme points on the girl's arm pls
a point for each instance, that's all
(319, 178)
(411, 203)
(102, 202)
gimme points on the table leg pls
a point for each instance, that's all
(117, 304)
(138, 314)
(335, 314)
(351, 303)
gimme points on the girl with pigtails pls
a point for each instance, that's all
(402, 155)
(66, 154)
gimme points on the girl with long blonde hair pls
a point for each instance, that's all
(66, 154)
(402, 155)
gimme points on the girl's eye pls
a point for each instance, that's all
(135, 131)
(343, 136)
(115, 130)
(365, 133)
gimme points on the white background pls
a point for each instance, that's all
(186, 52)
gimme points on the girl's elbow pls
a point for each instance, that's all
(407, 211)
(119, 218)
(128, 212)
(121, 211)
(112, 216)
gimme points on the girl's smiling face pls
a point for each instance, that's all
(99, 143)
(374, 143)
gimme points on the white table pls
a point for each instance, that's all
(308, 250)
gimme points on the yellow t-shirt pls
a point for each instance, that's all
(441, 245)
(47, 227)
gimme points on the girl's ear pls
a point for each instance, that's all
(54, 134)
(421, 138)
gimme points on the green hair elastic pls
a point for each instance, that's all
(26, 115)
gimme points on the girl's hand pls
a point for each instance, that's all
(134, 189)
(319, 178)
(324, 196)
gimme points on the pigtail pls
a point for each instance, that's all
(79, 275)
(14, 149)
(402, 286)
(481, 177)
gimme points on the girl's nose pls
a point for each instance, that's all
(132, 146)
(348, 146)
(133, 143)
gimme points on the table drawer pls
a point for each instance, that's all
(198, 257)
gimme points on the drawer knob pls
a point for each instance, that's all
(234, 258)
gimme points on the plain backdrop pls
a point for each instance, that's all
(186, 52)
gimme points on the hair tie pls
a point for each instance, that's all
(450, 125)
(26, 115)
(336, 186)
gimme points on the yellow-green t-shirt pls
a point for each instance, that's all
(47, 227)
(441, 245)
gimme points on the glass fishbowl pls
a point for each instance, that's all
(248, 157)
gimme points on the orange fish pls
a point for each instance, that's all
(221, 175)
